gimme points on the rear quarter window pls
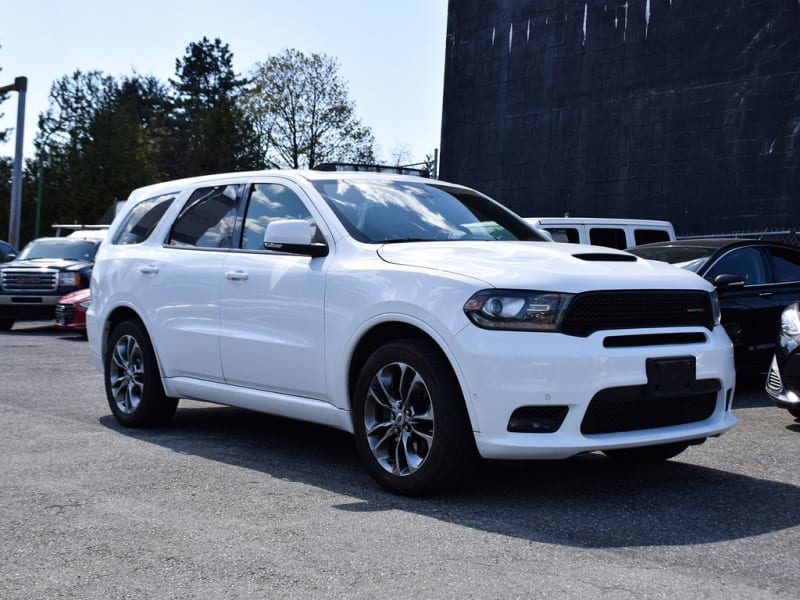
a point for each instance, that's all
(142, 219)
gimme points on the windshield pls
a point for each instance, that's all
(686, 257)
(387, 210)
(65, 249)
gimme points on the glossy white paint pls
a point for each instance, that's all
(512, 369)
(276, 332)
(273, 319)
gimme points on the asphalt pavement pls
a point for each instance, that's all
(227, 503)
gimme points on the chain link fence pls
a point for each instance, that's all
(789, 235)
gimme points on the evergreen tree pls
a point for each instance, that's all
(98, 140)
(212, 133)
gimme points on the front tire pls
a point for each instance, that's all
(410, 422)
(133, 382)
(6, 324)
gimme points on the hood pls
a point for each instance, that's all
(75, 297)
(48, 263)
(549, 266)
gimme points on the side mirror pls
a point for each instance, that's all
(292, 236)
(722, 282)
(9, 257)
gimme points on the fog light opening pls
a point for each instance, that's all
(537, 419)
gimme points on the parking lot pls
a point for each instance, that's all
(231, 504)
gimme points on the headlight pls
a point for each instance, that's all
(517, 310)
(69, 278)
(85, 304)
(790, 321)
(716, 311)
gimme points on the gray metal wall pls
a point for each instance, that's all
(686, 110)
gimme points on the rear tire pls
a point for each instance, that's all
(647, 455)
(133, 382)
(794, 411)
(410, 422)
(6, 324)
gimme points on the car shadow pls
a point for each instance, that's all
(750, 392)
(34, 328)
(45, 329)
(73, 336)
(587, 501)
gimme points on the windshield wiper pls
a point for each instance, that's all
(407, 239)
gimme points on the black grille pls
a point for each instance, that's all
(65, 314)
(653, 339)
(630, 309)
(631, 409)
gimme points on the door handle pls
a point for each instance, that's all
(766, 294)
(148, 269)
(236, 276)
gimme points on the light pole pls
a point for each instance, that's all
(20, 85)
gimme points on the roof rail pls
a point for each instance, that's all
(76, 227)
(397, 170)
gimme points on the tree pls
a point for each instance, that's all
(62, 141)
(301, 109)
(212, 132)
(6, 168)
(98, 140)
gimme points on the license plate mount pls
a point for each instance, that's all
(671, 376)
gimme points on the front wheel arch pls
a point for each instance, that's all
(388, 332)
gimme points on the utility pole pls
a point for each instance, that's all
(20, 86)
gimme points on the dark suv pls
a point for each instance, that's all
(45, 270)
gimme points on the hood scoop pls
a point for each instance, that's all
(604, 257)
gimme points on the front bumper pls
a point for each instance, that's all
(781, 394)
(27, 306)
(505, 371)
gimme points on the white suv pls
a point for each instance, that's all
(425, 318)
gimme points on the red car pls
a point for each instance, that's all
(71, 310)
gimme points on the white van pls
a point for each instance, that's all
(613, 233)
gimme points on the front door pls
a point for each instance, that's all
(272, 304)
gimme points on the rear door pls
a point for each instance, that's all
(181, 285)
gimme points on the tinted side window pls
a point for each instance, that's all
(564, 234)
(787, 264)
(208, 219)
(745, 262)
(649, 236)
(611, 238)
(142, 219)
(270, 202)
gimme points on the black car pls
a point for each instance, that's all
(6, 251)
(755, 280)
(783, 379)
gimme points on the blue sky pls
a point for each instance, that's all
(391, 53)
